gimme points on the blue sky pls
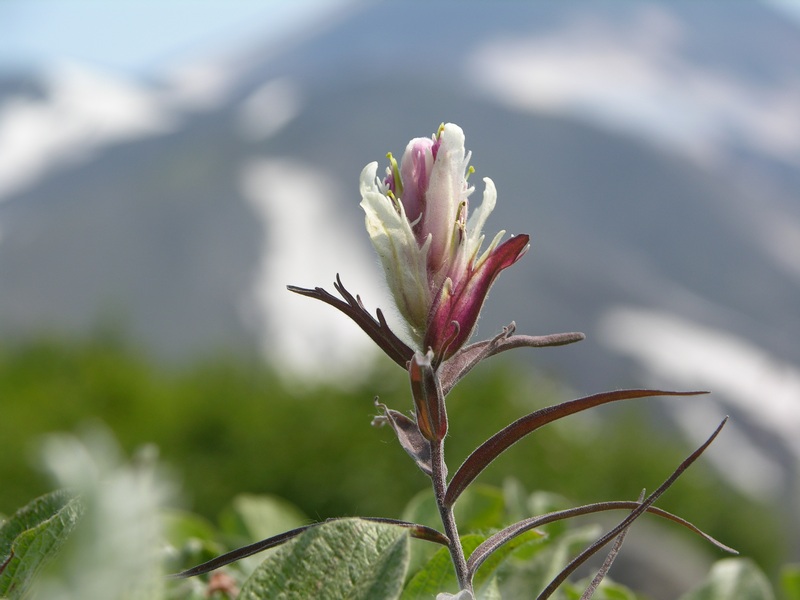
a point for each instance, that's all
(138, 36)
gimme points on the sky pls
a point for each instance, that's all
(126, 36)
(138, 37)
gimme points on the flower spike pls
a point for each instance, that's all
(429, 245)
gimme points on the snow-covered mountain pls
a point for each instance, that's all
(651, 150)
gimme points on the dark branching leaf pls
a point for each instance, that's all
(507, 437)
(415, 530)
(409, 436)
(463, 361)
(377, 329)
(625, 523)
(509, 533)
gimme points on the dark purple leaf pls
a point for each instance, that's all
(504, 439)
(636, 513)
(409, 436)
(377, 329)
(481, 553)
(463, 361)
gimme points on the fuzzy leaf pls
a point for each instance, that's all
(348, 558)
(414, 530)
(32, 537)
(733, 579)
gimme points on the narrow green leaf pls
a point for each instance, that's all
(489, 591)
(438, 575)
(515, 497)
(348, 558)
(254, 517)
(190, 539)
(564, 547)
(733, 579)
(481, 507)
(790, 582)
(32, 537)
(608, 590)
(181, 525)
(493, 563)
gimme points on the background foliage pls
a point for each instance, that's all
(227, 426)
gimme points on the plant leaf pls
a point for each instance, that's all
(507, 437)
(377, 329)
(408, 434)
(413, 529)
(635, 514)
(348, 558)
(32, 537)
(509, 533)
(493, 562)
(438, 574)
(610, 558)
(253, 517)
(733, 579)
(462, 362)
(790, 582)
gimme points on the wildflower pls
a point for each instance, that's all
(419, 223)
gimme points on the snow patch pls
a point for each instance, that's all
(306, 243)
(684, 354)
(82, 111)
(633, 78)
(267, 110)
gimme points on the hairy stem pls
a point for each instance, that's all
(438, 475)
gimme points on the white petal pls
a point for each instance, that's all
(478, 218)
(404, 262)
(445, 192)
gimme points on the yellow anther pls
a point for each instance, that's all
(398, 182)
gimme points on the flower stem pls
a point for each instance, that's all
(439, 474)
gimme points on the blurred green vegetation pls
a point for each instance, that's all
(229, 426)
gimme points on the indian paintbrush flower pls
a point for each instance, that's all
(419, 223)
(430, 248)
